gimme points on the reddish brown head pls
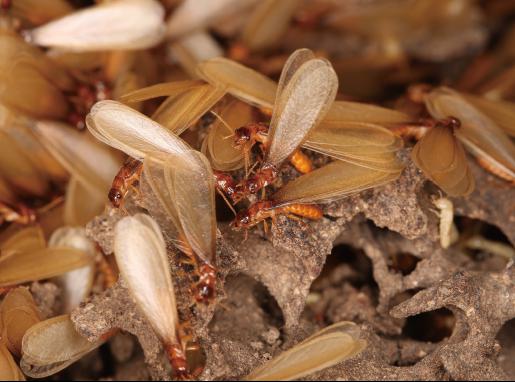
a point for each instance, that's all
(206, 286)
(253, 215)
(116, 197)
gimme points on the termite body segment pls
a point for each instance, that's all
(177, 359)
(205, 287)
(262, 210)
(128, 175)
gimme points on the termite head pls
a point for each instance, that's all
(243, 220)
(242, 135)
(116, 197)
(450, 122)
(178, 361)
(225, 183)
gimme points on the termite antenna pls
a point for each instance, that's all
(226, 125)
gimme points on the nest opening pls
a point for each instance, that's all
(433, 326)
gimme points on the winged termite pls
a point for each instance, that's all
(18, 313)
(325, 184)
(449, 169)
(480, 132)
(127, 177)
(52, 345)
(113, 25)
(183, 185)
(76, 284)
(323, 349)
(32, 83)
(305, 92)
(9, 370)
(140, 253)
(132, 132)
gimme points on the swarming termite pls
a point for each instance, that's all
(305, 92)
(485, 130)
(125, 179)
(183, 185)
(331, 182)
(350, 131)
(140, 252)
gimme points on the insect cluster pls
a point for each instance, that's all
(82, 133)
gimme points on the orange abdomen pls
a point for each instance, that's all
(301, 162)
(309, 211)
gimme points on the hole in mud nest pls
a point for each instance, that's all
(469, 227)
(248, 312)
(402, 262)
(431, 326)
(506, 338)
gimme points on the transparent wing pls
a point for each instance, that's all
(291, 66)
(345, 111)
(238, 80)
(331, 182)
(128, 130)
(165, 89)
(140, 253)
(477, 129)
(501, 112)
(219, 145)
(179, 113)
(300, 106)
(193, 188)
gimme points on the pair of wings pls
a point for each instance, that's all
(179, 177)
(486, 125)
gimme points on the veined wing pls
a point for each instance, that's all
(302, 103)
(331, 182)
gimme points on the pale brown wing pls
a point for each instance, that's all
(442, 159)
(346, 111)
(165, 89)
(299, 108)
(241, 82)
(219, 144)
(323, 349)
(501, 112)
(179, 113)
(194, 196)
(331, 182)
(478, 132)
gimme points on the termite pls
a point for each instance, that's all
(448, 231)
(140, 252)
(350, 131)
(183, 185)
(125, 179)
(306, 89)
(485, 130)
(328, 183)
